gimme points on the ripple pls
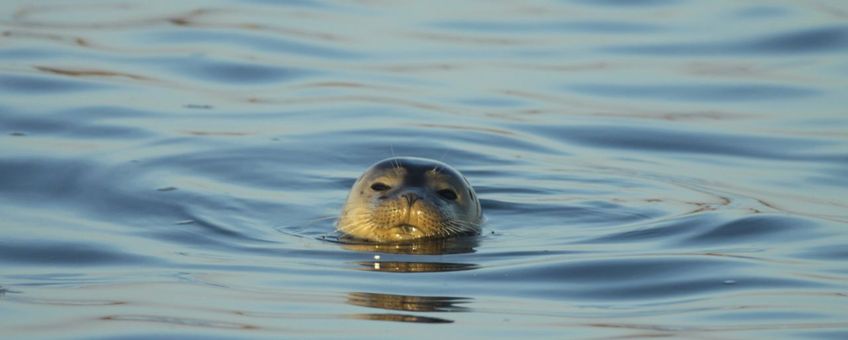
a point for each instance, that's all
(27, 54)
(681, 140)
(178, 321)
(381, 141)
(816, 40)
(825, 333)
(760, 12)
(826, 252)
(581, 213)
(813, 40)
(69, 124)
(702, 92)
(627, 3)
(40, 179)
(234, 72)
(720, 229)
(492, 102)
(641, 278)
(209, 231)
(755, 229)
(287, 3)
(61, 253)
(613, 271)
(252, 42)
(83, 185)
(36, 85)
(538, 26)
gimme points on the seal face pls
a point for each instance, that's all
(404, 198)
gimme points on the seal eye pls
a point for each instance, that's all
(447, 194)
(380, 187)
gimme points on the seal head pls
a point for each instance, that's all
(405, 198)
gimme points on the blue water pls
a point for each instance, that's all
(652, 168)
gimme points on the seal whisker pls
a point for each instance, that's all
(442, 158)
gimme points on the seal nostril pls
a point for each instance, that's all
(410, 197)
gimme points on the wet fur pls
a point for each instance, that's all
(392, 216)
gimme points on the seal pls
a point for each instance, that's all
(405, 198)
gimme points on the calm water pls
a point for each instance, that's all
(648, 168)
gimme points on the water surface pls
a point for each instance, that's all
(659, 168)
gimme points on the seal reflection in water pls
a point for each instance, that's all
(403, 198)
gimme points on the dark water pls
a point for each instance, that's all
(648, 168)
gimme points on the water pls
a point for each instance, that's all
(647, 168)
